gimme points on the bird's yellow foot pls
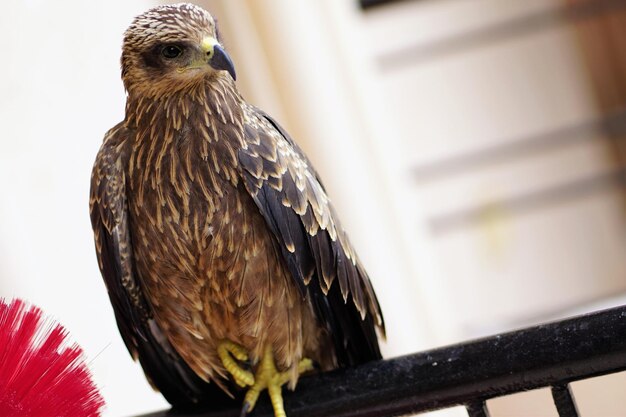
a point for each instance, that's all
(267, 377)
(228, 352)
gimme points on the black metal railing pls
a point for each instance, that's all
(467, 374)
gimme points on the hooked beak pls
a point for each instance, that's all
(217, 57)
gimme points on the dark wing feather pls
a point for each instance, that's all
(108, 208)
(318, 253)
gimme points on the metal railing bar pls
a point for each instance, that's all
(477, 409)
(611, 125)
(564, 401)
(497, 32)
(540, 356)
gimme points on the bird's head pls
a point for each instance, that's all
(170, 47)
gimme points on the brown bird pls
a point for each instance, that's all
(223, 258)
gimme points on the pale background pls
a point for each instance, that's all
(450, 256)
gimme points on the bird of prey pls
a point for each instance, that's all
(225, 263)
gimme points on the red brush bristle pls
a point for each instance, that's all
(40, 375)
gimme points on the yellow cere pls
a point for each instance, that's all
(208, 44)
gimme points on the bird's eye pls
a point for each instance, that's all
(171, 51)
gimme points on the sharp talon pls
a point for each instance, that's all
(245, 409)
